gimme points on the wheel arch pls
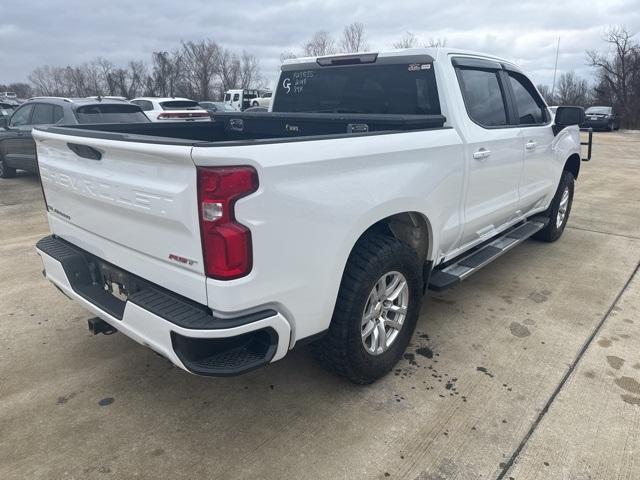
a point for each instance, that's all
(410, 227)
(572, 165)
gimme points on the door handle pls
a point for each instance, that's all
(481, 154)
(531, 145)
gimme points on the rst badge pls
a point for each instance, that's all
(184, 260)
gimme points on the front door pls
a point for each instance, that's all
(537, 185)
(19, 146)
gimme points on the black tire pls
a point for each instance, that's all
(553, 231)
(6, 171)
(612, 127)
(341, 350)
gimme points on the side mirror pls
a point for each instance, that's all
(566, 116)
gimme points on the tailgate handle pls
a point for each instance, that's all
(85, 151)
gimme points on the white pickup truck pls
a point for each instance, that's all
(222, 245)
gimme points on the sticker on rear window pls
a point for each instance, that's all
(414, 67)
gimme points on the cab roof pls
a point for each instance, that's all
(413, 55)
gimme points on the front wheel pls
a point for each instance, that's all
(254, 104)
(5, 170)
(376, 310)
(559, 210)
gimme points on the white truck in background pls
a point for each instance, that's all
(223, 245)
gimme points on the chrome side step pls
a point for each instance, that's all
(453, 273)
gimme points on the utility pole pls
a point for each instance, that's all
(555, 69)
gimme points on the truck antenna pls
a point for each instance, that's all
(555, 69)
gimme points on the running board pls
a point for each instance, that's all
(453, 273)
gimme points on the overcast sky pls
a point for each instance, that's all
(64, 32)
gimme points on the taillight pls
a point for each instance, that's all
(172, 115)
(226, 244)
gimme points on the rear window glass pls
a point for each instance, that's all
(407, 89)
(605, 110)
(109, 113)
(180, 105)
(483, 97)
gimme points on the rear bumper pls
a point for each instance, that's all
(182, 331)
(597, 124)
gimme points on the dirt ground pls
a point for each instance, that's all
(530, 369)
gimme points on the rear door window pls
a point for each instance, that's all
(404, 89)
(110, 113)
(58, 114)
(180, 105)
(530, 107)
(483, 96)
(42, 114)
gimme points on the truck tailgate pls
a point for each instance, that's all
(132, 204)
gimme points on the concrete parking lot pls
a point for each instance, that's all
(530, 369)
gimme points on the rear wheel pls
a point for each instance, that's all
(376, 311)
(559, 210)
(5, 170)
(254, 104)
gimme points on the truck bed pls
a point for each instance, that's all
(242, 128)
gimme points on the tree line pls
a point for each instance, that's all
(201, 70)
(617, 79)
(204, 70)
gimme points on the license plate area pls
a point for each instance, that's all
(116, 282)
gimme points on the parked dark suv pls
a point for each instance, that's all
(601, 118)
(17, 147)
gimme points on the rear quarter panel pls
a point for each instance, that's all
(317, 197)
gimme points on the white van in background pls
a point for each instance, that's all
(241, 98)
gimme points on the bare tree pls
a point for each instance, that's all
(228, 70)
(436, 42)
(166, 71)
(353, 38)
(201, 61)
(618, 72)
(42, 80)
(287, 55)
(320, 44)
(545, 91)
(572, 90)
(249, 71)
(21, 89)
(408, 40)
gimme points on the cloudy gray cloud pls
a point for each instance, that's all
(63, 32)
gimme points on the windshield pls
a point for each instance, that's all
(408, 89)
(180, 105)
(605, 110)
(110, 113)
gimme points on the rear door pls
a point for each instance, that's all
(134, 203)
(494, 150)
(537, 183)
